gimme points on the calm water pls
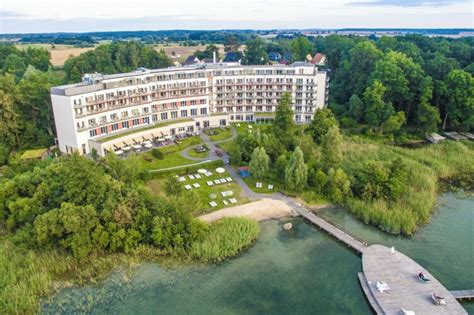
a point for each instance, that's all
(299, 272)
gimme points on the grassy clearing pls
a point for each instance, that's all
(226, 238)
(172, 156)
(221, 134)
(203, 193)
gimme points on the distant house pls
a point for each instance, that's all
(274, 56)
(233, 56)
(191, 60)
(319, 59)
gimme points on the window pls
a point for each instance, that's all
(124, 114)
(183, 103)
(193, 111)
(103, 130)
(184, 113)
(174, 115)
(146, 120)
(203, 111)
(115, 127)
(154, 117)
(222, 122)
(135, 112)
(136, 122)
(92, 133)
(164, 116)
(125, 124)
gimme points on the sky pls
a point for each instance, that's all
(39, 16)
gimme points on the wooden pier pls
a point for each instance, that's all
(400, 273)
(331, 229)
(463, 294)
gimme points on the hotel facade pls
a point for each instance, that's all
(106, 112)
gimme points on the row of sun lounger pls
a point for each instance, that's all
(195, 185)
(219, 181)
(225, 202)
(193, 176)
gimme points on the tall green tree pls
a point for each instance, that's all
(356, 107)
(332, 147)
(9, 121)
(323, 120)
(376, 109)
(460, 106)
(296, 172)
(231, 43)
(301, 47)
(283, 126)
(259, 163)
(255, 52)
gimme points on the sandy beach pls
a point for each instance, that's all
(261, 210)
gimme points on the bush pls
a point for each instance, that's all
(225, 238)
(157, 154)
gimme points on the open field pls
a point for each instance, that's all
(60, 53)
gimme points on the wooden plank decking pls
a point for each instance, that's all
(406, 291)
(463, 294)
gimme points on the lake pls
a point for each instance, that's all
(303, 271)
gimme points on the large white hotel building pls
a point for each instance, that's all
(106, 112)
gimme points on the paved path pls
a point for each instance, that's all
(400, 273)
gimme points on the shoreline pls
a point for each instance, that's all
(260, 210)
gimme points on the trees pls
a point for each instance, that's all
(255, 52)
(208, 52)
(9, 121)
(301, 47)
(376, 109)
(323, 120)
(114, 58)
(427, 117)
(460, 100)
(393, 123)
(231, 43)
(283, 125)
(259, 163)
(356, 107)
(296, 172)
(173, 187)
(331, 146)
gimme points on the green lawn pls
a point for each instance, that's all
(172, 156)
(221, 134)
(195, 154)
(203, 192)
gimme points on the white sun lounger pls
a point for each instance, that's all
(225, 202)
(208, 174)
(210, 183)
(229, 179)
(182, 179)
(187, 187)
(233, 200)
(191, 176)
(270, 186)
(196, 185)
(197, 176)
(217, 181)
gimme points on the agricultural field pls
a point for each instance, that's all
(60, 53)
